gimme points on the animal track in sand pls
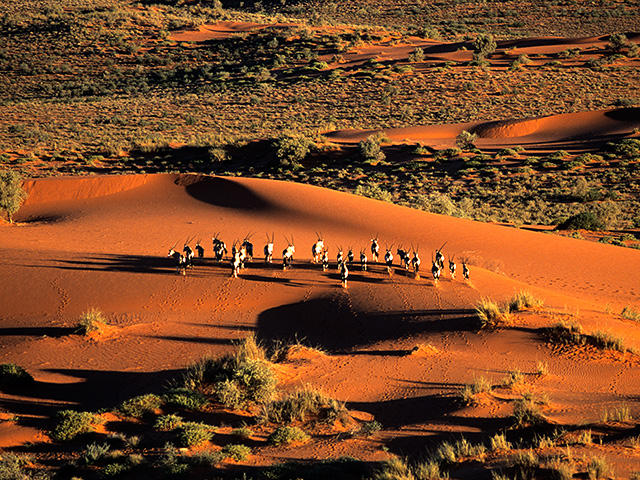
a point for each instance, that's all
(64, 298)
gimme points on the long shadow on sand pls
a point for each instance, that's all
(331, 324)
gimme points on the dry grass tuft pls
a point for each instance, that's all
(491, 315)
(91, 322)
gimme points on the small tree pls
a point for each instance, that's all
(370, 149)
(11, 193)
(465, 140)
(483, 45)
(292, 149)
(617, 42)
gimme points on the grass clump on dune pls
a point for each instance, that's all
(524, 300)
(302, 404)
(491, 315)
(138, 407)
(238, 380)
(193, 434)
(12, 375)
(630, 313)
(527, 410)
(470, 390)
(91, 321)
(287, 435)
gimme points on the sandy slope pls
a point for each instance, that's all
(102, 241)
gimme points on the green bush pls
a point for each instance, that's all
(287, 435)
(94, 452)
(11, 193)
(582, 221)
(372, 190)
(370, 149)
(12, 375)
(169, 422)
(292, 149)
(239, 380)
(483, 45)
(72, 423)
(465, 140)
(237, 452)
(192, 434)
(138, 407)
(186, 399)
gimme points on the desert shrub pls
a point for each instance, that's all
(480, 384)
(629, 147)
(524, 299)
(72, 423)
(91, 321)
(165, 423)
(192, 434)
(619, 414)
(542, 368)
(598, 468)
(465, 140)
(525, 462)
(138, 407)
(218, 154)
(292, 149)
(452, 452)
(491, 314)
(369, 428)
(630, 313)
(607, 341)
(206, 458)
(617, 42)
(286, 435)
(185, 398)
(483, 45)
(12, 375)
(11, 193)
(15, 467)
(250, 348)
(514, 377)
(243, 433)
(300, 405)
(238, 380)
(527, 411)
(114, 469)
(566, 333)
(94, 452)
(582, 221)
(499, 443)
(370, 149)
(172, 463)
(237, 452)
(394, 469)
(417, 55)
(373, 190)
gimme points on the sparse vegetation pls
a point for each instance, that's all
(287, 435)
(14, 376)
(524, 300)
(140, 406)
(302, 404)
(72, 423)
(12, 194)
(491, 315)
(91, 322)
(469, 391)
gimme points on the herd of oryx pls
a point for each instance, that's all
(242, 252)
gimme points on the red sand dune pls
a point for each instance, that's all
(555, 131)
(102, 242)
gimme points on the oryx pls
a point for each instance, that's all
(188, 253)
(350, 255)
(248, 249)
(316, 248)
(363, 260)
(435, 269)
(465, 270)
(200, 250)
(325, 259)
(415, 261)
(388, 259)
(440, 256)
(403, 255)
(344, 273)
(287, 253)
(219, 247)
(375, 248)
(180, 260)
(452, 268)
(339, 257)
(268, 249)
(236, 261)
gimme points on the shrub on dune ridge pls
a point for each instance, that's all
(238, 380)
(491, 314)
(301, 404)
(286, 435)
(524, 299)
(72, 423)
